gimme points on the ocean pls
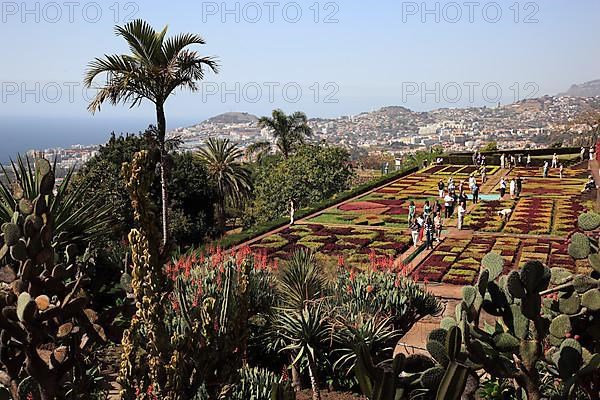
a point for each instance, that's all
(20, 134)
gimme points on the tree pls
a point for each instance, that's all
(153, 71)
(230, 177)
(191, 193)
(312, 174)
(489, 147)
(289, 131)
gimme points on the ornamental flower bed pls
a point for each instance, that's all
(484, 217)
(531, 216)
(458, 261)
(357, 246)
(549, 187)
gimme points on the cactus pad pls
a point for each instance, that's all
(560, 326)
(438, 351)
(494, 263)
(432, 377)
(589, 221)
(560, 275)
(579, 248)
(12, 233)
(469, 294)
(514, 286)
(591, 299)
(583, 283)
(569, 304)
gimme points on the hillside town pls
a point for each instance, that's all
(531, 123)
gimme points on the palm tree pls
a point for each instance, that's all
(231, 178)
(288, 131)
(154, 70)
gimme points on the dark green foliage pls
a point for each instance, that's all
(191, 195)
(311, 175)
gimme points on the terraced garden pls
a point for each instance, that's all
(372, 229)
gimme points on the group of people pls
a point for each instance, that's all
(592, 153)
(509, 161)
(427, 225)
(515, 186)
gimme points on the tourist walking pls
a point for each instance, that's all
(545, 169)
(560, 171)
(502, 187)
(448, 205)
(462, 209)
(437, 207)
(502, 160)
(475, 193)
(519, 186)
(592, 153)
(582, 154)
(483, 175)
(512, 188)
(412, 211)
(414, 232)
(520, 160)
(429, 229)
(554, 161)
(472, 182)
(437, 224)
(451, 186)
(441, 188)
(528, 162)
(426, 209)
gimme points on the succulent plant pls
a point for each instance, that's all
(549, 317)
(45, 323)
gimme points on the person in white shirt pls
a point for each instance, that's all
(502, 160)
(512, 188)
(472, 182)
(592, 153)
(502, 187)
(448, 205)
(505, 214)
(582, 154)
(545, 169)
(461, 215)
(528, 160)
(554, 161)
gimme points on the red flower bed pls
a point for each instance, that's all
(360, 205)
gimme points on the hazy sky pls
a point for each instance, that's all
(344, 56)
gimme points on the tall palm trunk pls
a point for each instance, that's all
(162, 130)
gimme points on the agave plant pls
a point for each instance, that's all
(301, 280)
(76, 221)
(375, 333)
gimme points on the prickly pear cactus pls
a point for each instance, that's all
(546, 317)
(45, 323)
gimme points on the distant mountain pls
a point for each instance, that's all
(587, 89)
(232, 118)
